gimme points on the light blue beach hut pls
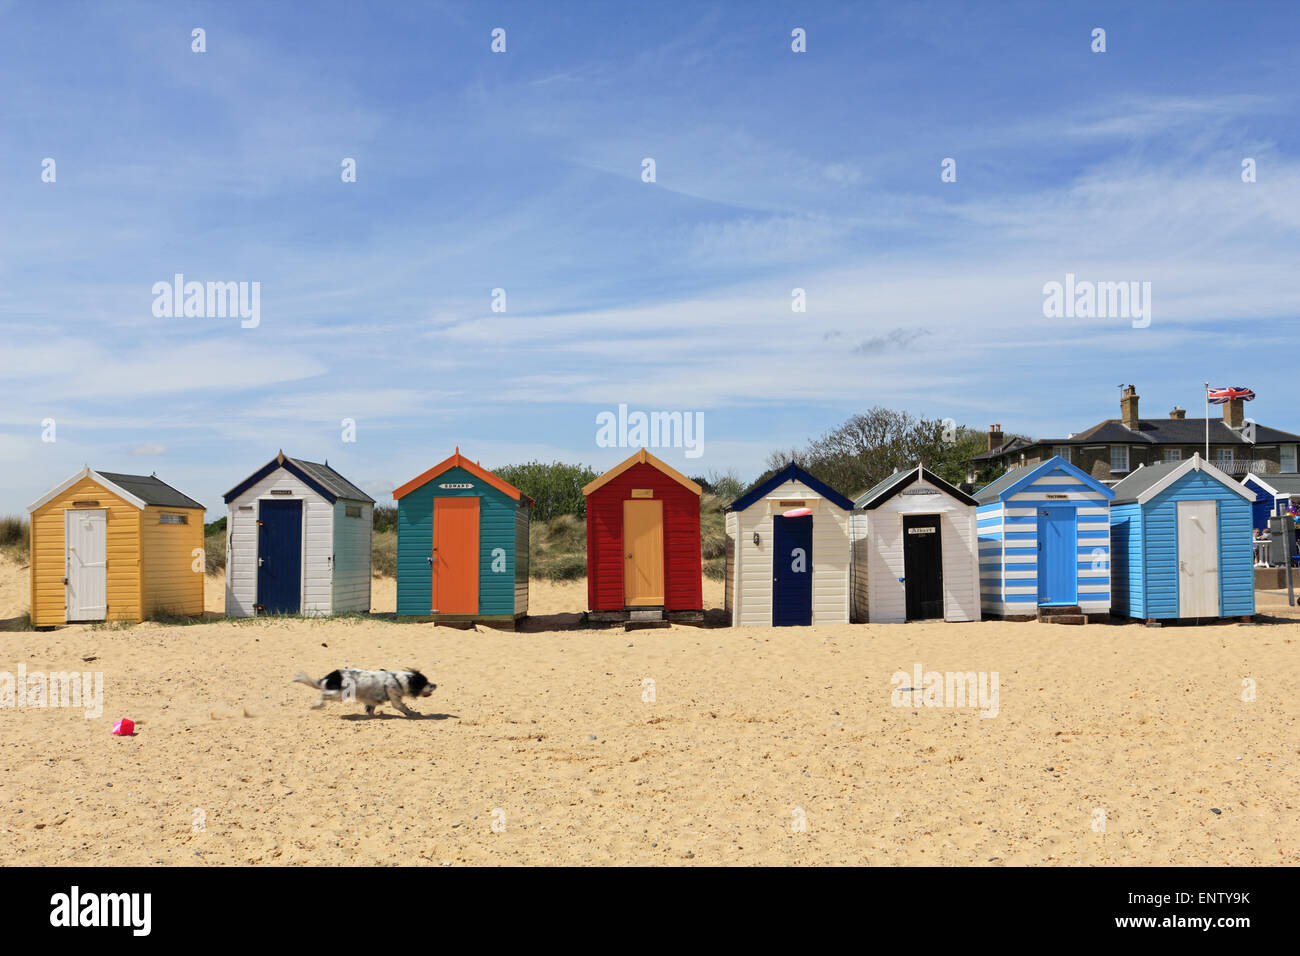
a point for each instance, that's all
(1044, 542)
(1181, 543)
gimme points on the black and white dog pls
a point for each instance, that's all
(372, 688)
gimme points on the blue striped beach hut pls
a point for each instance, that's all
(1044, 541)
(1181, 543)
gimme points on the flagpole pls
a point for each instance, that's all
(1207, 421)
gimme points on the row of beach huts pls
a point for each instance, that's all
(1048, 541)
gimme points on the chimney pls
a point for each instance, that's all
(995, 436)
(1234, 413)
(1178, 413)
(1128, 407)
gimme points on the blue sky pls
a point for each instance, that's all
(775, 170)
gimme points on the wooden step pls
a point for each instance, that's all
(645, 625)
(1062, 614)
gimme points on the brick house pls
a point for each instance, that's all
(1116, 447)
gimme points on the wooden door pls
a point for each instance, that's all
(1198, 559)
(922, 566)
(85, 537)
(455, 555)
(643, 553)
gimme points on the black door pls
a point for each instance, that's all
(922, 566)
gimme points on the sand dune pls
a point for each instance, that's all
(750, 731)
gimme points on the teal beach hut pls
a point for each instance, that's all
(462, 545)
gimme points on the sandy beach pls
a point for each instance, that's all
(758, 746)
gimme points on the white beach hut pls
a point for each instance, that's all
(787, 553)
(915, 551)
(297, 541)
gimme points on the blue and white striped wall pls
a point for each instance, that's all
(1007, 530)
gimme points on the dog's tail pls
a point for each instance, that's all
(301, 678)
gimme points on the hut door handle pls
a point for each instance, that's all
(432, 558)
(260, 562)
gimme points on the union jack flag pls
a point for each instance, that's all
(1220, 395)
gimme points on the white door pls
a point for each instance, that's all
(86, 536)
(1198, 559)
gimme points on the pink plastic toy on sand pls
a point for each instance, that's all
(124, 728)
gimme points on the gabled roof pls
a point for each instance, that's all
(322, 479)
(790, 472)
(1149, 480)
(457, 460)
(642, 457)
(151, 490)
(1009, 483)
(138, 490)
(882, 492)
(1285, 483)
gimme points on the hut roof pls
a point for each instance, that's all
(457, 460)
(642, 457)
(1149, 480)
(139, 490)
(319, 477)
(790, 472)
(876, 496)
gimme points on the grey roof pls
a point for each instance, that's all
(1175, 431)
(881, 486)
(1006, 448)
(1154, 431)
(1131, 487)
(339, 486)
(990, 492)
(1287, 483)
(151, 490)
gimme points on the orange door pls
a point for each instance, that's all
(455, 556)
(643, 553)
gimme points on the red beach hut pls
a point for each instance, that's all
(643, 543)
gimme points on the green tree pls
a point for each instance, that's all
(871, 446)
(556, 488)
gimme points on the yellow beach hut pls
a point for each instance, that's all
(114, 547)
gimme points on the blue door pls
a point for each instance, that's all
(279, 557)
(1058, 557)
(792, 570)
